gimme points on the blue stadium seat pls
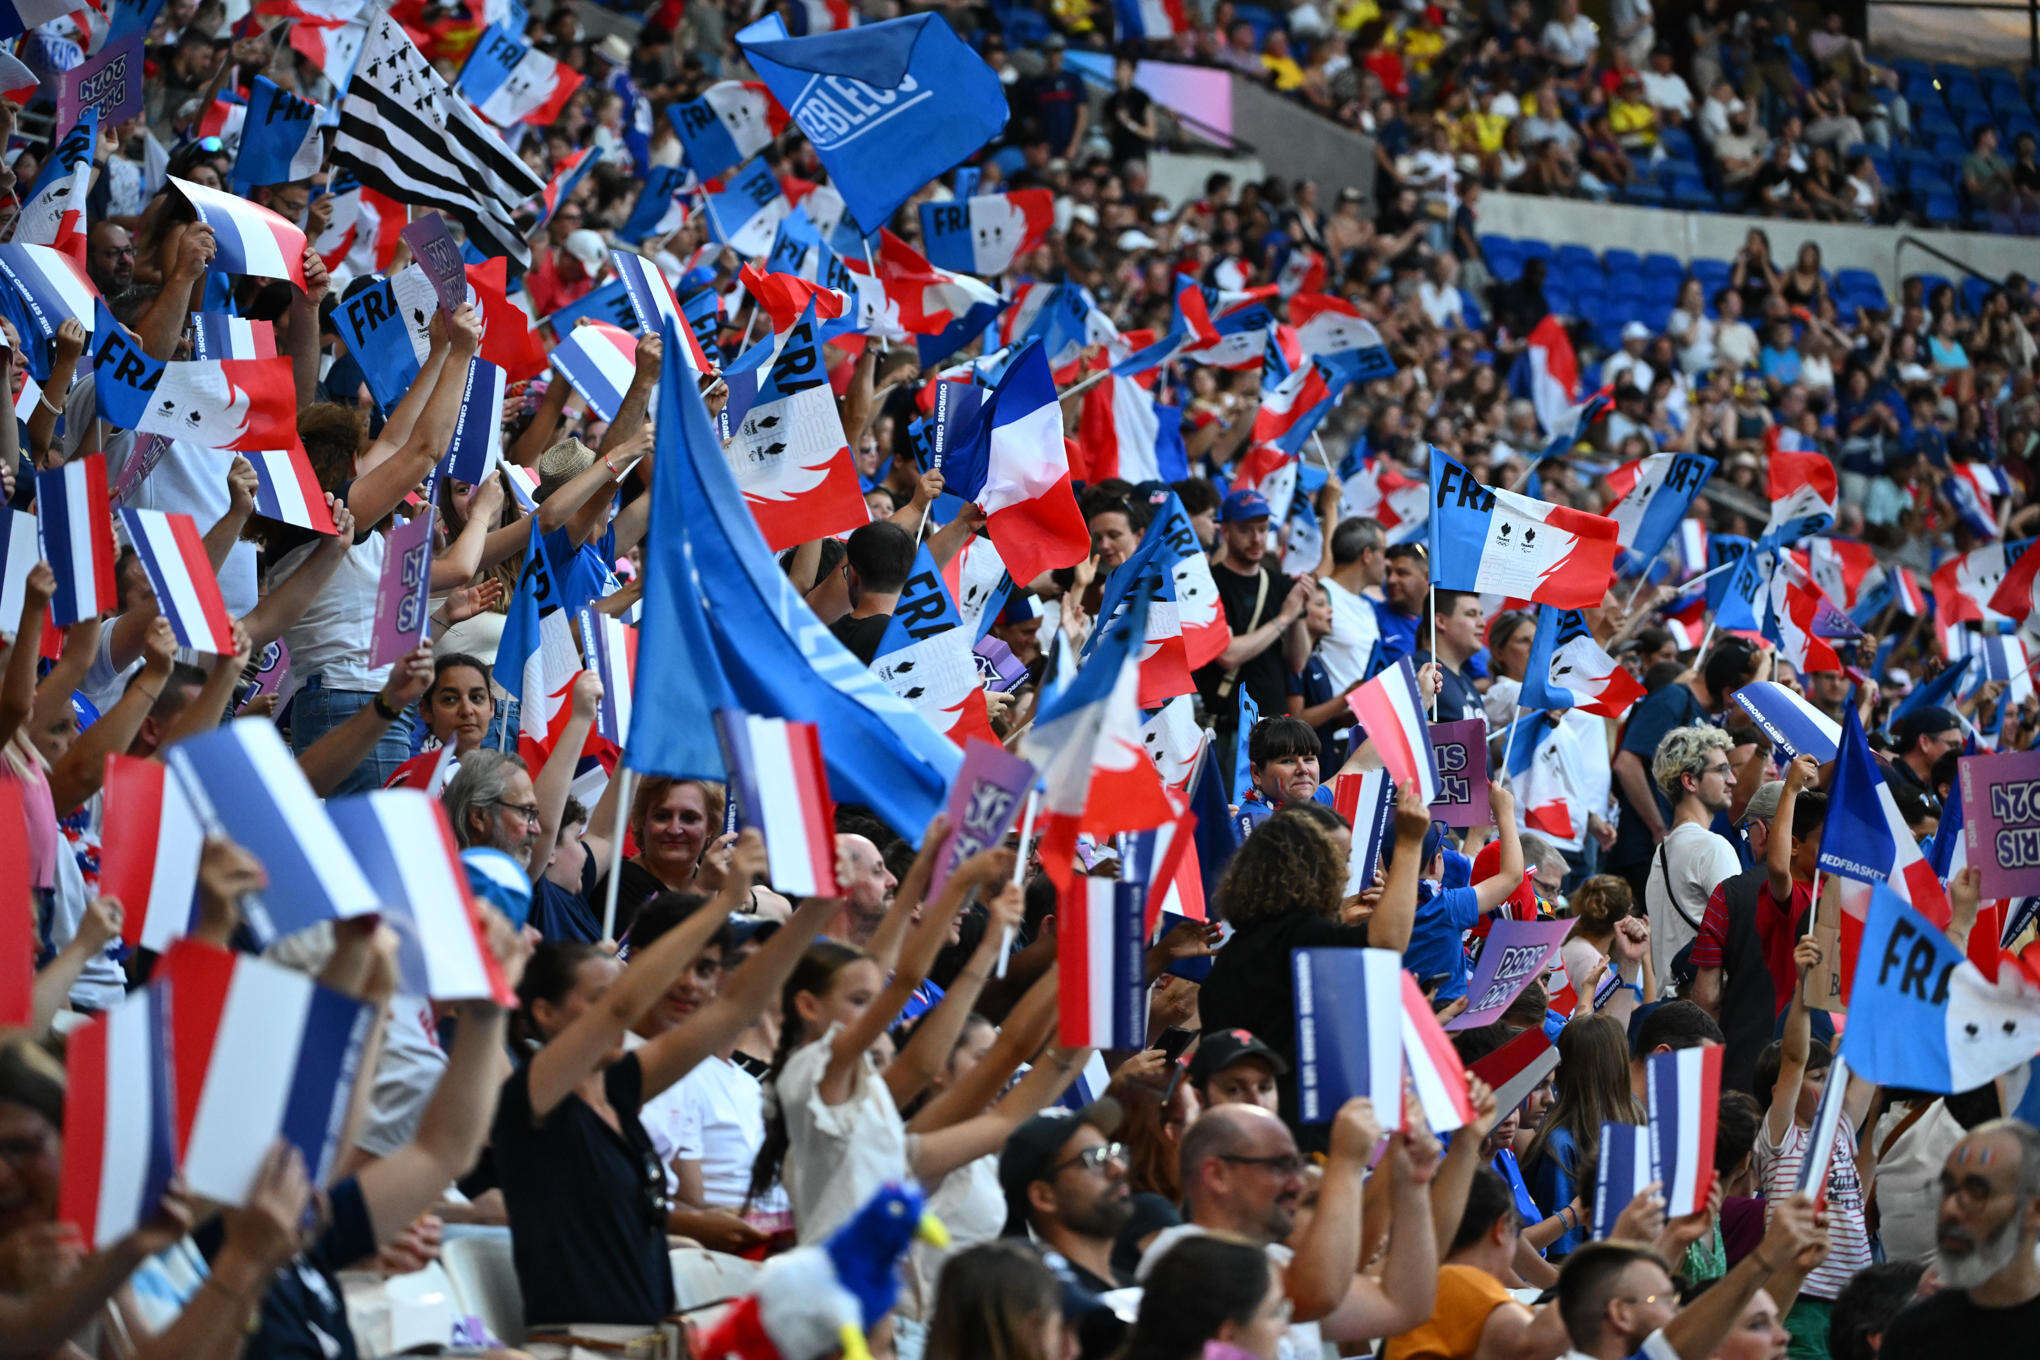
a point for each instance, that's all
(1930, 282)
(1659, 263)
(1912, 67)
(1974, 291)
(1534, 249)
(1620, 261)
(1570, 255)
(1492, 243)
(1645, 191)
(1263, 20)
(1852, 280)
(1505, 265)
(1471, 310)
(1678, 144)
(1024, 27)
(1694, 196)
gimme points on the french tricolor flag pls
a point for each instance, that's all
(1685, 1087)
(1331, 325)
(1516, 1069)
(51, 284)
(1086, 742)
(1349, 1032)
(1970, 487)
(173, 553)
(1569, 669)
(1379, 490)
(1803, 487)
(259, 1052)
(20, 550)
(1030, 508)
(1655, 495)
(652, 301)
(1865, 840)
(1390, 710)
(1100, 953)
(783, 789)
(1625, 1169)
(985, 233)
(1302, 272)
(287, 489)
(150, 841)
(18, 84)
(119, 1110)
(510, 82)
(727, 124)
(1118, 430)
(1435, 1070)
(401, 839)
(53, 214)
(1291, 411)
(598, 360)
(1794, 610)
(1151, 20)
(221, 335)
(1841, 568)
(75, 516)
(250, 238)
(1366, 799)
(610, 646)
(1828, 1116)
(1505, 543)
(1166, 860)
(244, 779)
(1549, 375)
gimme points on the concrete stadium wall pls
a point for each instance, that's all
(1295, 143)
(1690, 235)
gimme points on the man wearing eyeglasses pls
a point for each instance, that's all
(1065, 1185)
(1692, 766)
(1242, 1174)
(1986, 1242)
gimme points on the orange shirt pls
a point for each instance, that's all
(1466, 1295)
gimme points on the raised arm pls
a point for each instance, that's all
(410, 1180)
(226, 530)
(1794, 1046)
(285, 601)
(301, 329)
(909, 1074)
(376, 492)
(1496, 887)
(1395, 914)
(1027, 1027)
(579, 1049)
(1698, 1330)
(161, 328)
(535, 438)
(42, 421)
(746, 993)
(556, 777)
(1778, 851)
(328, 761)
(82, 769)
(17, 682)
(203, 713)
(463, 557)
(884, 945)
(916, 958)
(1407, 1290)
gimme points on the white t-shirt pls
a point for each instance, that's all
(973, 1210)
(332, 637)
(1348, 650)
(1572, 44)
(1441, 303)
(838, 1155)
(723, 1127)
(1695, 860)
(407, 1072)
(1908, 1179)
(1668, 93)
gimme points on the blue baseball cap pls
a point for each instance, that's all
(1241, 506)
(500, 881)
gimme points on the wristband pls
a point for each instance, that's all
(383, 709)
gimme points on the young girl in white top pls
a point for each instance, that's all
(833, 1131)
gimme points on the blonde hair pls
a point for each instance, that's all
(1682, 752)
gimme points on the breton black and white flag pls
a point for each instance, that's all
(406, 134)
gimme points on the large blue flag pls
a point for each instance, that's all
(1923, 1016)
(280, 139)
(887, 106)
(761, 649)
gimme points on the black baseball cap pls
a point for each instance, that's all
(1033, 1147)
(1220, 1048)
(1924, 722)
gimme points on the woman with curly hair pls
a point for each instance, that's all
(1285, 890)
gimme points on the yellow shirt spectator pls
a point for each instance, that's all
(1633, 122)
(1420, 47)
(1352, 14)
(1288, 75)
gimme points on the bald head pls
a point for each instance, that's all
(1241, 1172)
(110, 257)
(867, 884)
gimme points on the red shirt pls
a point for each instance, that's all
(1777, 934)
(549, 290)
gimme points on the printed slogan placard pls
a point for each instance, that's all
(1461, 752)
(2001, 817)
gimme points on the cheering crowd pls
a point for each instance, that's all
(372, 916)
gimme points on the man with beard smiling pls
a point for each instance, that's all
(1989, 1299)
(1065, 1185)
(1242, 1175)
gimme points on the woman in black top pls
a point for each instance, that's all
(1283, 891)
(584, 1189)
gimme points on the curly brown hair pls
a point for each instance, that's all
(1287, 865)
(1599, 903)
(334, 437)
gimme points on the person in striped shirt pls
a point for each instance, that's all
(1794, 1072)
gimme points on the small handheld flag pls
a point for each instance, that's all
(1505, 543)
(1685, 1086)
(1829, 1117)
(75, 518)
(119, 1144)
(1435, 1070)
(1349, 1032)
(187, 591)
(782, 789)
(1793, 724)
(1100, 952)
(610, 646)
(1391, 710)
(150, 842)
(1623, 1171)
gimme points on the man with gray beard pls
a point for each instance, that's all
(1989, 1301)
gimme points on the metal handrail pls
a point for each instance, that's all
(1908, 239)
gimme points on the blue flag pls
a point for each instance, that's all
(1746, 603)
(609, 303)
(762, 649)
(279, 140)
(373, 329)
(657, 207)
(1856, 841)
(1934, 693)
(923, 609)
(887, 106)
(1921, 1015)
(1721, 548)
(123, 375)
(1217, 837)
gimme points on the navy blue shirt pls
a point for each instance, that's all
(1398, 634)
(1438, 937)
(1053, 99)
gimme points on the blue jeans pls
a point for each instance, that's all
(316, 710)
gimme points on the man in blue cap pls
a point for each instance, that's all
(1261, 607)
